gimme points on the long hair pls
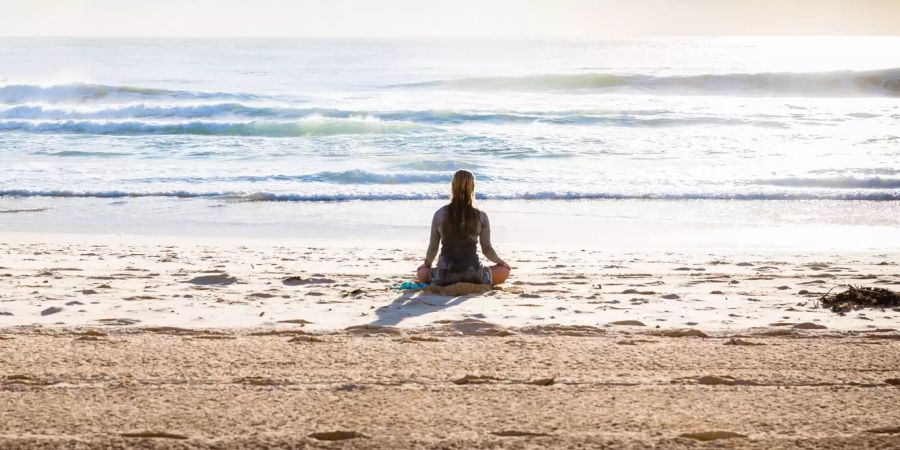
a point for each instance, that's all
(464, 216)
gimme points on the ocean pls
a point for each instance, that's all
(181, 125)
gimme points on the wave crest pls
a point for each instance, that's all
(543, 195)
(833, 183)
(816, 84)
(355, 177)
(87, 92)
(237, 111)
(298, 128)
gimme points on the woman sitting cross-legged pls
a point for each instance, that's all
(458, 227)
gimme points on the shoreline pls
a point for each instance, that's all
(649, 226)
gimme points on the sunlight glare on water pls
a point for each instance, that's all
(390, 119)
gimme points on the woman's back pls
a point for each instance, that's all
(458, 247)
(457, 228)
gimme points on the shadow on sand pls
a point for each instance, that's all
(415, 303)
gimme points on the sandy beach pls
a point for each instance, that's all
(452, 386)
(158, 342)
(92, 280)
(211, 213)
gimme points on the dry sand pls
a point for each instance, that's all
(77, 280)
(437, 388)
(125, 342)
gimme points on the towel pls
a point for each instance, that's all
(410, 286)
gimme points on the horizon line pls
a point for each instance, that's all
(462, 38)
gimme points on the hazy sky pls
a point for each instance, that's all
(496, 18)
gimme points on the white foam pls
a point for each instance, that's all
(814, 84)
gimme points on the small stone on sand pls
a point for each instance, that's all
(51, 310)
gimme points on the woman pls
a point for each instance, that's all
(458, 228)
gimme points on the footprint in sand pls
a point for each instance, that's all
(634, 341)
(476, 379)
(632, 323)
(258, 381)
(421, 339)
(712, 435)
(336, 435)
(153, 434)
(543, 381)
(688, 332)
(514, 433)
(635, 291)
(737, 341)
(26, 380)
(563, 330)
(371, 330)
(474, 327)
(299, 281)
(310, 339)
(220, 279)
(712, 380)
(296, 321)
(118, 321)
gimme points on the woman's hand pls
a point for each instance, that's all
(423, 266)
(504, 264)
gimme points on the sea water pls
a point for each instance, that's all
(214, 129)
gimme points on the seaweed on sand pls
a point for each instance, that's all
(856, 297)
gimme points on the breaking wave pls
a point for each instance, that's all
(833, 183)
(296, 197)
(345, 177)
(814, 84)
(297, 128)
(133, 119)
(86, 93)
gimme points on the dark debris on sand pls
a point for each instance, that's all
(860, 297)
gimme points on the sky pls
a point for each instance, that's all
(576, 19)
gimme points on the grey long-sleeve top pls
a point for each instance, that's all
(483, 233)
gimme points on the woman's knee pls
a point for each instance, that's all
(499, 274)
(424, 275)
